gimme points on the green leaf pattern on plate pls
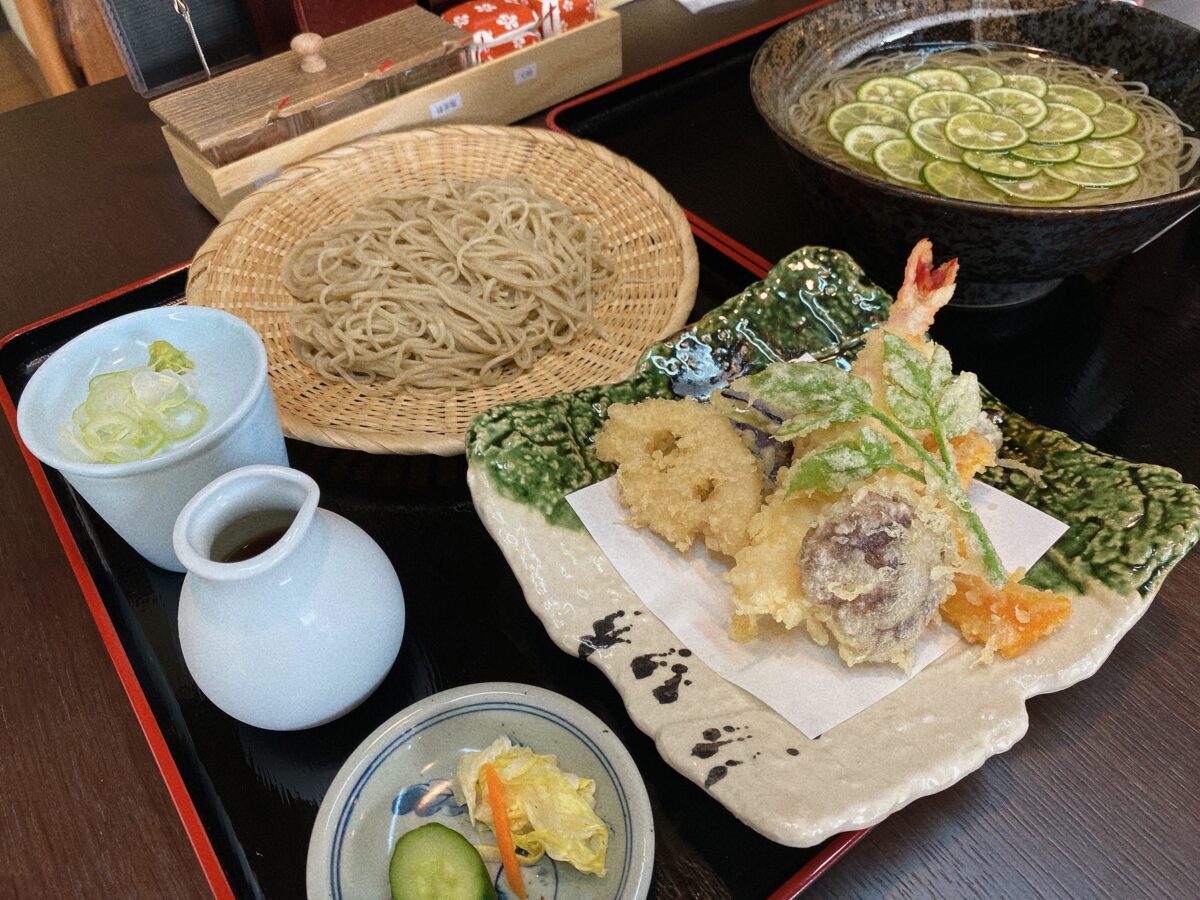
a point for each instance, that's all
(1129, 523)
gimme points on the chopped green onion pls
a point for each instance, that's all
(132, 414)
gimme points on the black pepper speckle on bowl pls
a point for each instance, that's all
(1008, 254)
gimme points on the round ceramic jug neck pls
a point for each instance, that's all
(235, 499)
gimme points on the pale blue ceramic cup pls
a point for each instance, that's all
(142, 499)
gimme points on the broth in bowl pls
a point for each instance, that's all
(996, 124)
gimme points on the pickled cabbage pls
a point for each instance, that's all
(550, 811)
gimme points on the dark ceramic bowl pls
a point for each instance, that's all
(1008, 254)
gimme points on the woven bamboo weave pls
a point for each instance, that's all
(238, 269)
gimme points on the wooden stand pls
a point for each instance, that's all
(494, 93)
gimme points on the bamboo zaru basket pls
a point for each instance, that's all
(238, 269)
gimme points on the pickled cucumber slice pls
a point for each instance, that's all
(937, 79)
(958, 182)
(1092, 177)
(1062, 125)
(896, 92)
(845, 117)
(1110, 153)
(434, 862)
(1034, 84)
(901, 159)
(984, 131)
(981, 77)
(944, 104)
(1080, 97)
(1045, 154)
(1041, 188)
(1022, 107)
(930, 136)
(1000, 165)
(861, 140)
(1113, 121)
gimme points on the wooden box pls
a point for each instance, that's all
(498, 92)
(258, 106)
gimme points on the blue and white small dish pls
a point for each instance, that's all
(402, 777)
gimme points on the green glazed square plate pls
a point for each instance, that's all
(1129, 524)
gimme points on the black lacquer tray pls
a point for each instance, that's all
(248, 796)
(1108, 357)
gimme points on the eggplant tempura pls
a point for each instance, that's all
(866, 533)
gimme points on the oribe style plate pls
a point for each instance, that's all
(1129, 523)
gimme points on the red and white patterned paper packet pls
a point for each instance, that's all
(561, 15)
(497, 27)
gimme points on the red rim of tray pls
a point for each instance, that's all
(176, 787)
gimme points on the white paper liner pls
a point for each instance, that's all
(807, 684)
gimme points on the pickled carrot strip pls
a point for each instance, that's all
(504, 839)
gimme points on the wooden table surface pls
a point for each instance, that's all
(1099, 799)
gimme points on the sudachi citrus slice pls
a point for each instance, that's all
(930, 136)
(861, 140)
(1021, 106)
(937, 79)
(901, 159)
(984, 131)
(1062, 125)
(1110, 153)
(944, 104)
(1080, 97)
(1000, 165)
(959, 182)
(845, 117)
(1041, 188)
(897, 92)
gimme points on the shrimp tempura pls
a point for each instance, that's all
(924, 292)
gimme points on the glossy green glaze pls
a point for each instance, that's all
(1129, 523)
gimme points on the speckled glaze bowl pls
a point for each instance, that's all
(1009, 254)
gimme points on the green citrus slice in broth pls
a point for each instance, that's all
(1041, 188)
(980, 77)
(845, 117)
(937, 79)
(944, 104)
(958, 182)
(1080, 97)
(1110, 153)
(1045, 154)
(1022, 107)
(1033, 84)
(1092, 177)
(1062, 125)
(984, 131)
(930, 136)
(1000, 165)
(901, 159)
(861, 140)
(897, 92)
(1113, 121)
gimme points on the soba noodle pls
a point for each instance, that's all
(1169, 163)
(458, 286)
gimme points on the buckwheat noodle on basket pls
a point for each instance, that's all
(458, 286)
